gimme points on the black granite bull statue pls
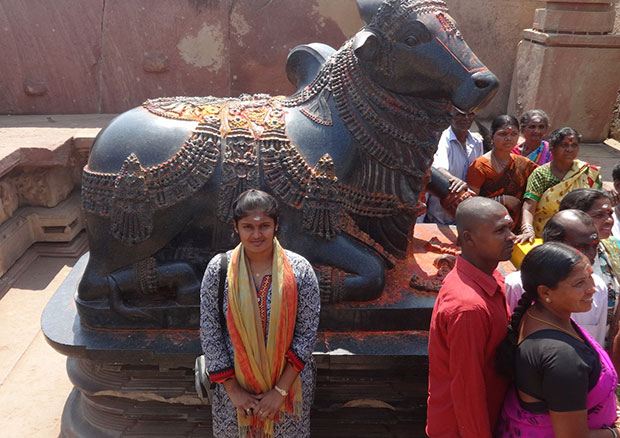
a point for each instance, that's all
(347, 156)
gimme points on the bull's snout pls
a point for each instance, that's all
(476, 91)
(485, 80)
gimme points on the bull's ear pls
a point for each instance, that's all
(368, 9)
(365, 45)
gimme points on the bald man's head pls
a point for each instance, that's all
(485, 235)
(575, 228)
(473, 212)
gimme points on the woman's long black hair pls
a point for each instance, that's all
(545, 265)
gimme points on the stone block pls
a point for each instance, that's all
(38, 224)
(577, 3)
(170, 49)
(49, 55)
(264, 32)
(576, 86)
(571, 21)
(43, 187)
(493, 31)
(91, 61)
(9, 200)
(59, 224)
(16, 236)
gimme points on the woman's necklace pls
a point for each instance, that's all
(554, 326)
(559, 173)
(525, 152)
(257, 276)
(497, 164)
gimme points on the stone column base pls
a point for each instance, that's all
(113, 400)
(573, 78)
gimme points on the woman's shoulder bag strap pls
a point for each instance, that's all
(220, 291)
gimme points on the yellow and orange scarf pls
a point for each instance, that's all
(258, 366)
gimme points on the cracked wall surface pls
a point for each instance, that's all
(106, 56)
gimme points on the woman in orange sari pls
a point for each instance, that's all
(260, 356)
(500, 174)
(548, 184)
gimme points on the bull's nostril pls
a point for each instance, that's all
(481, 83)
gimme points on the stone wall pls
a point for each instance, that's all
(106, 56)
(614, 129)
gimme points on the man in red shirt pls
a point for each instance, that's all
(468, 322)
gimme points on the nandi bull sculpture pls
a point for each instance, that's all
(347, 156)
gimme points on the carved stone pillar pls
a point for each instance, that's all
(568, 64)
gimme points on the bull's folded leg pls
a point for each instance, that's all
(117, 304)
(347, 269)
(180, 278)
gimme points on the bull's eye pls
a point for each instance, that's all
(411, 41)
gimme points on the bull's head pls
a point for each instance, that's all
(413, 47)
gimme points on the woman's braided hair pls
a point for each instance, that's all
(545, 265)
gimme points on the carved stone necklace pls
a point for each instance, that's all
(397, 132)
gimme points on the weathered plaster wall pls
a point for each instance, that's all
(90, 56)
(614, 129)
(493, 31)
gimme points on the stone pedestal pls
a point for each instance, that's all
(371, 362)
(568, 64)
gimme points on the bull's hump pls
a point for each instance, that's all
(152, 139)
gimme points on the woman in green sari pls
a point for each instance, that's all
(549, 183)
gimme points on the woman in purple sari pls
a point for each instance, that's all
(564, 382)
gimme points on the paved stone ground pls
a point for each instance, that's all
(33, 381)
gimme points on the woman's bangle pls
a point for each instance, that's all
(499, 198)
(284, 393)
(613, 431)
(527, 228)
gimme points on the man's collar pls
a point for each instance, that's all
(452, 137)
(488, 283)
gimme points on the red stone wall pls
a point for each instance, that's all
(106, 56)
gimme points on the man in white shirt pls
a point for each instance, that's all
(575, 228)
(456, 150)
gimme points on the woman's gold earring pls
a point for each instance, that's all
(547, 300)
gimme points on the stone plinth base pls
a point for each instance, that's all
(372, 366)
(573, 78)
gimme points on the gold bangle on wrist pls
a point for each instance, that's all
(527, 228)
(284, 393)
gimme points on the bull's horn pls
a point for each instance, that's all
(368, 9)
(365, 45)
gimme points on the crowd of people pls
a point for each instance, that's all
(533, 354)
(530, 355)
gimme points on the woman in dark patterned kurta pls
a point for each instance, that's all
(237, 409)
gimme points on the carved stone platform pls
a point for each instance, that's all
(372, 365)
